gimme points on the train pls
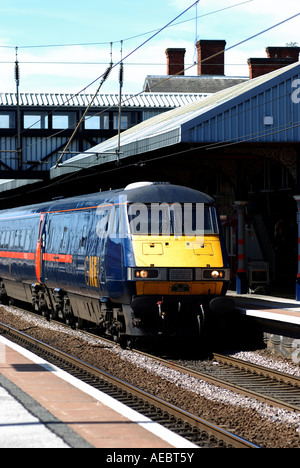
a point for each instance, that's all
(147, 260)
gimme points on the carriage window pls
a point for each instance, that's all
(27, 240)
(12, 239)
(7, 237)
(17, 239)
(51, 239)
(22, 239)
(83, 238)
(102, 221)
(63, 242)
(114, 221)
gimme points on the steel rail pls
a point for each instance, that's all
(223, 383)
(243, 390)
(258, 369)
(179, 414)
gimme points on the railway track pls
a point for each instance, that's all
(199, 431)
(264, 384)
(268, 385)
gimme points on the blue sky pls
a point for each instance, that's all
(93, 24)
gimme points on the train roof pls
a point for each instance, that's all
(139, 192)
(158, 192)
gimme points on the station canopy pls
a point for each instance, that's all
(265, 110)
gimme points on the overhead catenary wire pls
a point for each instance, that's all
(156, 32)
(96, 170)
(104, 78)
(217, 144)
(186, 68)
(168, 78)
(225, 143)
(121, 79)
(113, 66)
(243, 139)
(130, 37)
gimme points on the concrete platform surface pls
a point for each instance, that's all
(42, 406)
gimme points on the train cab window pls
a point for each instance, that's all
(186, 219)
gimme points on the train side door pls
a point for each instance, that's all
(113, 254)
(40, 249)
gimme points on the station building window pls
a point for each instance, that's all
(124, 121)
(36, 121)
(128, 119)
(96, 121)
(63, 120)
(7, 120)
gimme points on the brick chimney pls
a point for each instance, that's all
(260, 66)
(283, 52)
(215, 50)
(175, 61)
(277, 57)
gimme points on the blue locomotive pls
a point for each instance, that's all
(140, 261)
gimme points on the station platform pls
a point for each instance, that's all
(42, 406)
(271, 308)
(277, 319)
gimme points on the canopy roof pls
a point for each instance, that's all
(265, 109)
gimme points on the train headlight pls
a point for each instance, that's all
(141, 274)
(144, 274)
(214, 274)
